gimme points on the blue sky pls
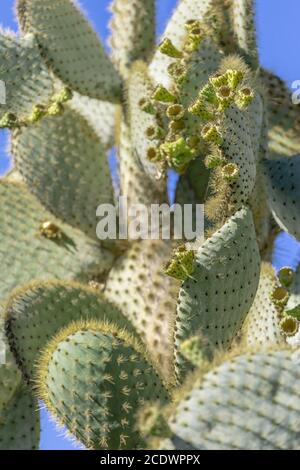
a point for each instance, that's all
(278, 34)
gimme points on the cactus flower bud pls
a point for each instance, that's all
(244, 97)
(179, 154)
(63, 96)
(225, 97)
(163, 95)
(37, 113)
(286, 276)
(175, 112)
(155, 133)
(200, 109)
(230, 172)
(147, 106)
(55, 109)
(194, 39)
(219, 80)
(289, 325)
(167, 47)
(182, 264)
(211, 133)
(49, 230)
(9, 121)
(234, 77)
(154, 154)
(215, 159)
(280, 296)
(177, 71)
(208, 93)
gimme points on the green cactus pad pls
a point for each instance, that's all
(10, 376)
(140, 88)
(214, 301)
(108, 378)
(19, 423)
(283, 116)
(255, 116)
(26, 254)
(35, 313)
(101, 115)
(237, 147)
(247, 403)
(70, 47)
(27, 79)
(282, 179)
(261, 328)
(65, 152)
(132, 32)
(135, 184)
(147, 296)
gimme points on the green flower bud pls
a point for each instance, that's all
(280, 296)
(219, 80)
(63, 96)
(175, 112)
(225, 97)
(210, 133)
(167, 47)
(177, 71)
(194, 39)
(55, 109)
(163, 95)
(234, 78)
(154, 154)
(200, 109)
(147, 106)
(9, 121)
(244, 97)
(208, 93)
(230, 172)
(155, 133)
(289, 325)
(215, 159)
(286, 276)
(182, 264)
(37, 113)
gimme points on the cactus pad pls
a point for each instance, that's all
(108, 380)
(215, 299)
(248, 402)
(35, 313)
(65, 152)
(70, 47)
(19, 423)
(26, 254)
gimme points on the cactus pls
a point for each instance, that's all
(139, 343)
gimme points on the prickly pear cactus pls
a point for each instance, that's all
(164, 343)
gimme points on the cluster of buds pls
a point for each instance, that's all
(176, 147)
(54, 107)
(289, 319)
